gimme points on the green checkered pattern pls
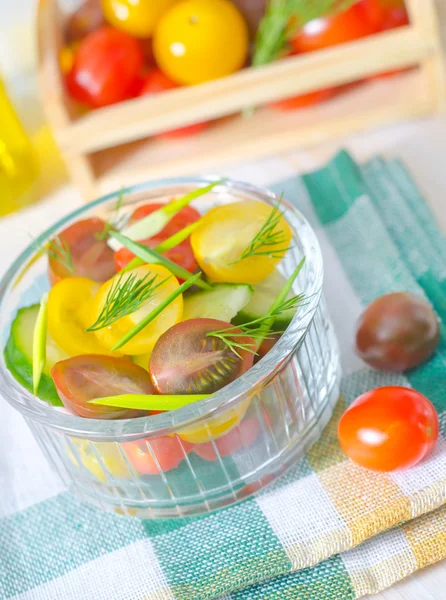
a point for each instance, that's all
(326, 530)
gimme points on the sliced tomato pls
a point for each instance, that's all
(83, 378)
(155, 82)
(79, 251)
(329, 31)
(242, 436)
(181, 255)
(266, 346)
(185, 360)
(304, 100)
(151, 456)
(186, 216)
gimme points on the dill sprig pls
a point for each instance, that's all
(111, 223)
(281, 21)
(270, 240)
(125, 297)
(59, 249)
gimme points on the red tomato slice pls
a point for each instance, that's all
(105, 69)
(187, 361)
(304, 100)
(152, 455)
(339, 28)
(90, 257)
(242, 436)
(83, 378)
(155, 82)
(182, 254)
(389, 428)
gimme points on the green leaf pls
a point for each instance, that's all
(39, 342)
(149, 402)
(155, 312)
(150, 256)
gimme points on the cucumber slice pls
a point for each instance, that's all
(262, 299)
(222, 302)
(18, 355)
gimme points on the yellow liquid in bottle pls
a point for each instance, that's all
(18, 164)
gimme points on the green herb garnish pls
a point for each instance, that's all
(282, 20)
(111, 223)
(150, 402)
(39, 342)
(158, 219)
(59, 249)
(166, 245)
(261, 328)
(151, 256)
(155, 312)
(269, 241)
(126, 295)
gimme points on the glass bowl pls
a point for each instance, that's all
(211, 453)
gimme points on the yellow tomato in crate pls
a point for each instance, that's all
(69, 305)
(163, 284)
(136, 17)
(100, 458)
(238, 243)
(215, 427)
(200, 40)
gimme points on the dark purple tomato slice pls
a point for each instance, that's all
(80, 251)
(266, 346)
(186, 360)
(83, 378)
(397, 332)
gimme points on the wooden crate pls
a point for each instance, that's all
(111, 147)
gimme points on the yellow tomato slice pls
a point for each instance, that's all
(142, 360)
(69, 305)
(102, 459)
(215, 427)
(225, 235)
(144, 341)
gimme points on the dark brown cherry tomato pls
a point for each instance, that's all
(397, 332)
(87, 18)
(266, 346)
(84, 253)
(242, 436)
(389, 428)
(152, 455)
(83, 378)
(187, 361)
(106, 68)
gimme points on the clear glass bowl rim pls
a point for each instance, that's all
(168, 422)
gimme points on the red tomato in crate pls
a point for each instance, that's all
(86, 19)
(182, 254)
(242, 436)
(329, 31)
(106, 68)
(152, 455)
(389, 428)
(155, 82)
(304, 100)
(79, 252)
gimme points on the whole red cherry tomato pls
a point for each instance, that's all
(155, 82)
(336, 29)
(106, 68)
(397, 332)
(388, 428)
(152, 455)
(304, 100)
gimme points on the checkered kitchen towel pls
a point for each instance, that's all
(327, 530)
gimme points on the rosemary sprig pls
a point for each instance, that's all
(269, 240)
(261, 328)
(281, 21)
(59, 249)
(126, 296)
(155, 312)
(112, 221)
